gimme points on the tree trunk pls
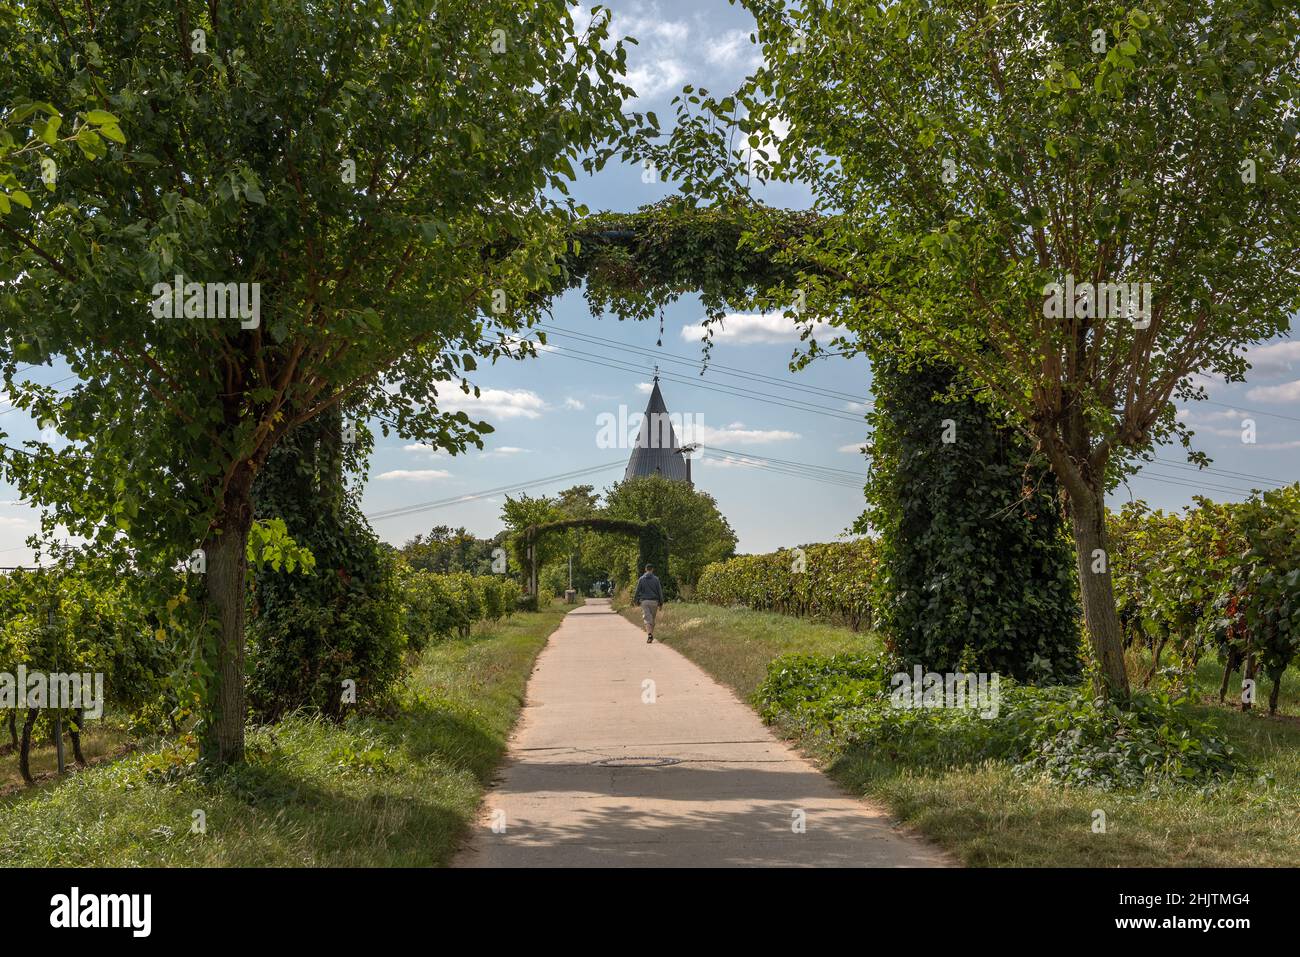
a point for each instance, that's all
(1088, 517)
(13, 727)
(1248, 674)
(1155, 663)
(25, 746)
(74, 732)
(227, 575)
(1231, 664)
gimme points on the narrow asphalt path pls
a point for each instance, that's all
(628, 755)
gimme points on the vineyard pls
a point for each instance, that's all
(1220, 579)
(830, 582)
(76, 621)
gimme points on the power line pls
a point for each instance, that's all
(795, 404)
(1240, 408)
(727, 370)
(406, 510)
(1211, 470)
(805, 465)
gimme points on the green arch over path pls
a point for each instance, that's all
(652, 541)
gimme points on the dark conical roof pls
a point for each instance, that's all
(656, 451)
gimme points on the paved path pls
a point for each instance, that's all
(732, 798)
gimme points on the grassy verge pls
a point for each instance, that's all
(988, 816)
(398, 790)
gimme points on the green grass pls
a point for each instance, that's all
(987, 816)
(399, 790)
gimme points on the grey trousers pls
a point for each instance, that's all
(649, 609)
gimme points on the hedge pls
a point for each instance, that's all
(829, 582)
(437, 606)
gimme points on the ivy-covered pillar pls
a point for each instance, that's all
(976, 571)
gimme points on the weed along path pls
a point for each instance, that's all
(627, 754)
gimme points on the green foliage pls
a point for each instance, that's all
(973, 565)
(269, 543)
(830, 582)
(380, 205)
(1271, 580)
(428, 607)
(445, 549)
(1060, 731)
(695, 531)
(307, 635)
(1222, 573)
(974, 156)
(58, 620)
(436, 607)
(323, 603)
(31, 148)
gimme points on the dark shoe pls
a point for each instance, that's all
(649, 639)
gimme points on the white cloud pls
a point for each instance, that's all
(644, 387)
(504, 451)
(747, 328)
(733, 49)
(730, 462)
(853, 448)
(656, 64)
(12, 522)
(737, 434)
(413, 475)
(575, 404)
(1275, 360)
(654, 79)
(424, 448)
(1286, 392)
(495, 403)
(778, 128)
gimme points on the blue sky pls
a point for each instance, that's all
(546, 410)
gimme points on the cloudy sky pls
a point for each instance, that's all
(782, 453)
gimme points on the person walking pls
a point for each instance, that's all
(650, 593)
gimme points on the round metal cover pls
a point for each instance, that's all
(636, 762)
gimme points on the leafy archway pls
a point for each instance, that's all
(652, 541)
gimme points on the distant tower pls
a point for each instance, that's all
(656, 451)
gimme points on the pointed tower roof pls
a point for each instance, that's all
(656, 451)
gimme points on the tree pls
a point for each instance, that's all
(352, 209)
(446, 549)
(697, 531)
(1079, 206)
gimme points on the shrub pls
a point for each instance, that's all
(437, 606)
(429, 609)
(843, 701)
(829, 582)
(64, 620)
(308, 633)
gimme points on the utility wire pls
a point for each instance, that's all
(553, 329)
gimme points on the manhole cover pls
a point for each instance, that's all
(636, 762)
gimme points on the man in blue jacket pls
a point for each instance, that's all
(651, 595)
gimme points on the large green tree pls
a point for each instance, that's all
(387, 178)
(975, 154)
(698, 533)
